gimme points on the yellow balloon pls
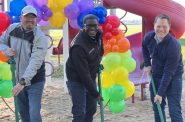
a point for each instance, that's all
(106, 80)
(130, 89)
(52, 5)
(119, 75)
(57, 20)
(63, 3)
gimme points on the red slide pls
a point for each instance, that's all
(148, 9)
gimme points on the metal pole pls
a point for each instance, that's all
(158, 104)
(100, 91)
(12, 67)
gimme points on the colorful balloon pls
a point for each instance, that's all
(57, 20)
(119, 75)
(3, 58)
(16, 7)
(106, 80)
(117, 107)
(111, 61)
(6, 89)
(129, 64)
(124, 45)
(117, 93)
(4, 21)
(113, 20)
(72, 11)
(105, 94)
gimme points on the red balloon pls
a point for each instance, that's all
(108, 35)
(113, 20)
(115, 31)
(108, 27)
(4, 21)
(1, 32)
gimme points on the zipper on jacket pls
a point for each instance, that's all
(20, 56)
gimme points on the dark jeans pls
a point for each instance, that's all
(84, 105)
(173, 95)
(29, 102)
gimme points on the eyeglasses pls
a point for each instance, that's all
(92, 25)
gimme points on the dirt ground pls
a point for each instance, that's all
(56, 107)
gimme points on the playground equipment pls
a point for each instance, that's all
(2, 5)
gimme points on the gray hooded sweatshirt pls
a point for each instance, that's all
(29, 57)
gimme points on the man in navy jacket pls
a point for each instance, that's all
(163, 58)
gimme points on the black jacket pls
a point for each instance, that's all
(84, 58)
(166, 59)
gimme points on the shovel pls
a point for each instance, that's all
(100, 68)
(11, 61)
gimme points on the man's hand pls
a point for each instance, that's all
(148, 70)
(158, 98)
(17, 89)
(10, 52)
(100, 98)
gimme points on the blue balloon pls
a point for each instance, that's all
(80, 19)
(101, 11)
(15, 19)
(16, 7)
(102, 20)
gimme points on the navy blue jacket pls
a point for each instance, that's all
(84, 58)
(164, 57)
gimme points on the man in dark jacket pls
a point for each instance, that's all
(163, 58)
(81, 68)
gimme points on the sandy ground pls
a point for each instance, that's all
(56, 107)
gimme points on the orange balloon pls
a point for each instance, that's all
(115, 48)
(124, 45)
(3, 58)
(107, 47)
(112, 41)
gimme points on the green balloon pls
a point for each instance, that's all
(105, 94)
(111, 61)
(129, 64)
(117, 107)
(126, 55)
(1, 71)
(6, 89)
(6, 72)
(117, 93)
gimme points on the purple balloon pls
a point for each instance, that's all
(39, 15)
(40, 3)
(43, 23)
(74, 24)
(72, 11)
(44, 8)
(49, 13)
(45, 18)
(29, 2)
(85, 5)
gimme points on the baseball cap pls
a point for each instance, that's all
(29, 10)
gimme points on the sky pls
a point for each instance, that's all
(130, 16)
